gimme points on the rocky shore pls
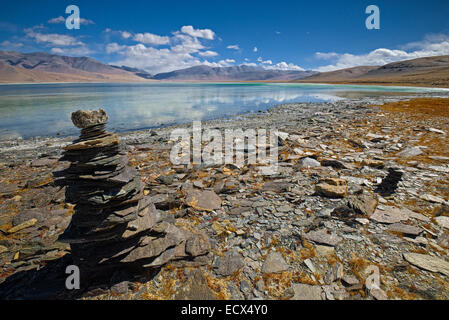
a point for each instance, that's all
(359, 209)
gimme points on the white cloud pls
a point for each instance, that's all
(326, 55)
(233, 46)
(264, 62)
(114, 47)
(61, 19)
(149, 38)
(285, 66)
(186, 44)
(9, 44)
(125, 34)
(208, 53)
(198, 33)
(155, 60)
(255, 49)
(432, 45)
(219, 64)
(52, 38)
(429, 40)
(76, 51)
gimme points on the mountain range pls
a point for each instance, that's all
(236, 73)
(429, 71)
(16, 67)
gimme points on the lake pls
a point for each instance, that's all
(30, 110)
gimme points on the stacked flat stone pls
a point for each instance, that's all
(114, 223)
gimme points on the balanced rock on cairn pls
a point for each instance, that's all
(114, 223)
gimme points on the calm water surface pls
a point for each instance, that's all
(45, 109)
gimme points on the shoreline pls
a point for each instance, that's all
(19, 143)
(292, 82)
(344, 96)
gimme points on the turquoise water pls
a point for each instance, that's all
(30, 110)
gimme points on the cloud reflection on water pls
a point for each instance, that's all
(44, 110)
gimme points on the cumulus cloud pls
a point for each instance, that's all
(114, 47)
(186, 44)
(9, 44)
(208, 53)
(125, 34)
(431, 45)
(76, 51)
(61, 19)
(149, 38)
(155, 60)
(52, 38)
(233, 47)
(285, 67)
(264, 62)
(198, 33)
(219, 64)
(184, 47)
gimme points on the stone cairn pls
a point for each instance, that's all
(114, 223)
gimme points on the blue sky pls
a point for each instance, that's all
(161, 36)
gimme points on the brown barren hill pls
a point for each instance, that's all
(427, 72)
(16, 67)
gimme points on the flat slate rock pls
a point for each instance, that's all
(323, 237)
(390, 215)
(364, 204)
(306, 292)
(404, 228)
(443, 221)
(195, 288)
(427, 262)
(274, 263)
(203, 200)
(229, 264)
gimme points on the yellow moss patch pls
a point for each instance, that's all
(277, 283)
(427, 107)
(304, 277)
(358, 266)
(397, 292)
(218, 287)
(308, 251)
